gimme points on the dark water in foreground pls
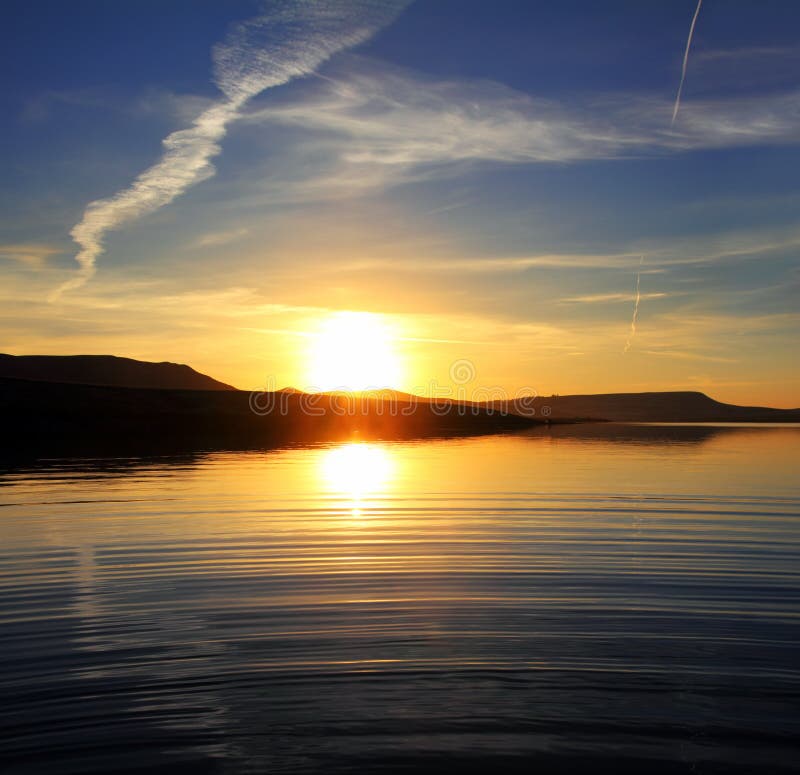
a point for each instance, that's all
(550, 602)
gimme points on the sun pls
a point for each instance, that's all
(353, 351)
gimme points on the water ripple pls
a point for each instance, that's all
(501, 602)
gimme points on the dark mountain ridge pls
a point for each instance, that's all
(657, 406)
(107, 370)
(55, 419)
(107, 404)
(664, 406)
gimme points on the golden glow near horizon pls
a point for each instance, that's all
(399, 191)
(353, 351)
(239, 340)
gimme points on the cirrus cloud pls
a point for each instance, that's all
(287, 42)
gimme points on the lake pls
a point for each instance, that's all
(559, 600)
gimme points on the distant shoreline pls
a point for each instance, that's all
(42, 417)
(101, 404)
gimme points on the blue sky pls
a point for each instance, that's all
(485, 175)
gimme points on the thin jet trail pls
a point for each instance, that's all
(677, 105)
(635, 308)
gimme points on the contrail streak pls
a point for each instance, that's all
(288, 42)
(635, 308)
(685, 62)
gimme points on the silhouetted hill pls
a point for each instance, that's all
(105, 404)
(44, 418)
(668, 406)
(688, 406)
(106, 370)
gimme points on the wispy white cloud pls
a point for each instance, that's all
(396, 118)
(48, 104)
(723, 246)
(745, 69)
(287, 42)
(681, 355)
(747, 53)
(217, 238)
(611, 298)
(39, 107)
(661, 256)
(377, 126)
(521, 263)
(32, 255)
(186, 161)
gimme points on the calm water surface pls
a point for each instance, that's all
(549, 602)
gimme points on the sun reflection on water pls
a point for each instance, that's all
(358, 472)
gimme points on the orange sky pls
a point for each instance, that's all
(239, 337)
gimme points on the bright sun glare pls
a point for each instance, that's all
(353, 351)
(357, 470)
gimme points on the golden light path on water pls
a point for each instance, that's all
(357, 471)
